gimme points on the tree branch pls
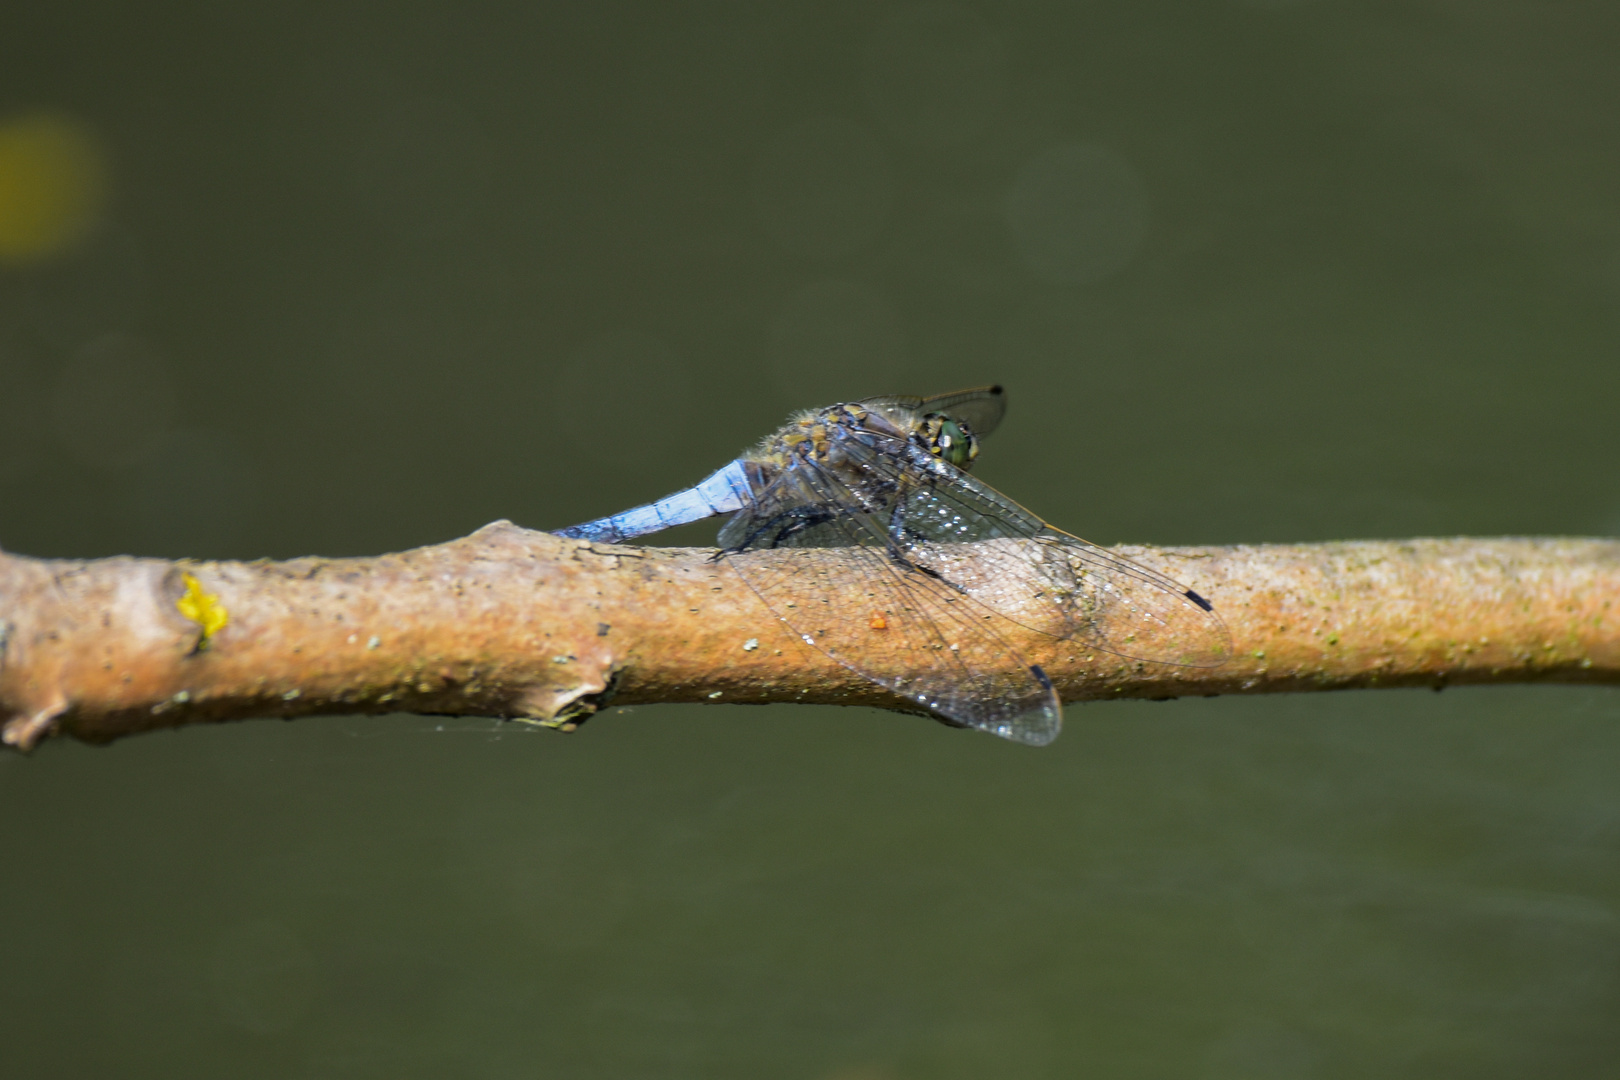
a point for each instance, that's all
(513, 623)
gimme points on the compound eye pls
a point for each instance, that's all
(955, 443)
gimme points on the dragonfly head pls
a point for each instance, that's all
(950, 439)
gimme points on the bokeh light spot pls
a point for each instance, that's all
(53, 186)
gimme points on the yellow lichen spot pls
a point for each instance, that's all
(53, 186)
(202, 608)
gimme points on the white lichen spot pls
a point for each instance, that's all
(374, 642)
(751, 644)
(292, 695)
(716, 694)
(182, 697)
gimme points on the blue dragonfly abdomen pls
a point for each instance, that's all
(726, 491)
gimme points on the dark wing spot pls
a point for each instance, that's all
(1040, 677)
(1199, 600)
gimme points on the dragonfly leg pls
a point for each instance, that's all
(774, 531)
(901, 540)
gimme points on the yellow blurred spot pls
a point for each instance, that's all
(202, 608)
(53, 185)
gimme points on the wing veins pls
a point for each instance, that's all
(1165, 602)
(949, 658)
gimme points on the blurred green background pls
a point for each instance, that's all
(348, 278)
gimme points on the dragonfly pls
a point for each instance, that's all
(931, 563)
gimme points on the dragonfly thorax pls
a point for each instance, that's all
(817, 434)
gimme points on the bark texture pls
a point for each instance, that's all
(514, 623)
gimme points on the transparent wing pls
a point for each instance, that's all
(982, 407)
(1040, 577)
(908, 631)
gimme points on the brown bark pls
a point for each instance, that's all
(513, 623)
